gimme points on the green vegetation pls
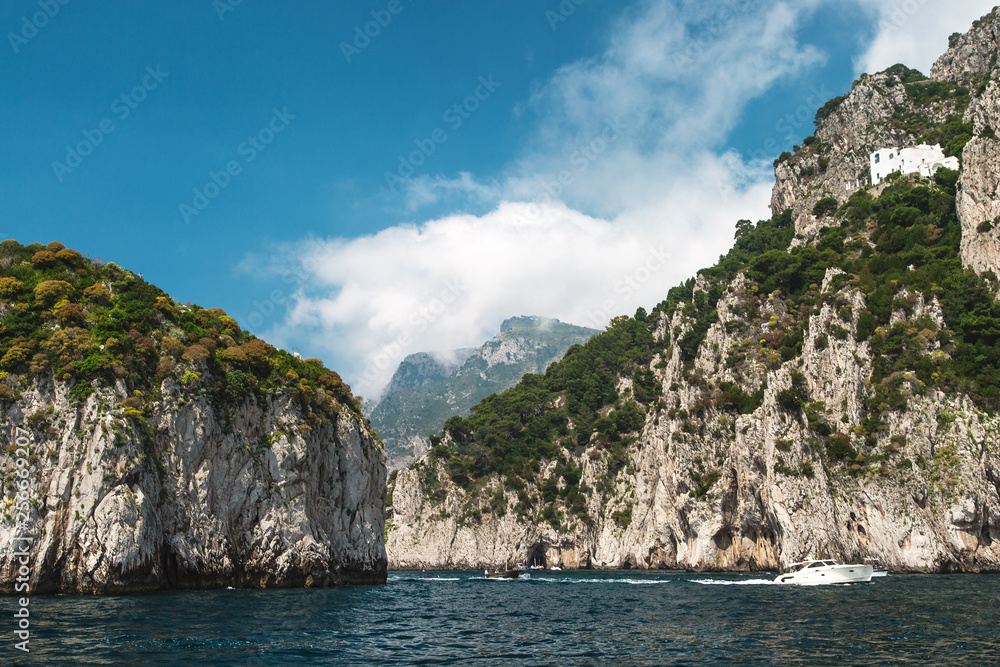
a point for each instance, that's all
(895, 250)
(827, 109)
(824, 206)
(91, 325)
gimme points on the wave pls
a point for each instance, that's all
(634, 582)
(725, 582)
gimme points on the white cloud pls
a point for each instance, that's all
(624, 166)
(915, 32)
(448, 283)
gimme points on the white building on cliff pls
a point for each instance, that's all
(922, 159)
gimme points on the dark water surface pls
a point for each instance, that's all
(547, 618)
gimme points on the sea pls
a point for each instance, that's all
(543, 618)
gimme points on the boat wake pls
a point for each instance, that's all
(723, 582)
(634, 582)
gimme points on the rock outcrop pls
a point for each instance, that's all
(750, 493)
(147, 445)
(190, 498)
(971, 56)
(833, 449)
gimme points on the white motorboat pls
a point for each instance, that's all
(816, 572)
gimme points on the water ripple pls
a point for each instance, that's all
(569, 618)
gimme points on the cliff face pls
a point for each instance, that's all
(190, 501)
(979, 196)
(425, 390)
(836, 418)
(972, 61)
(751, 492)
(149, 445)
(836, 161)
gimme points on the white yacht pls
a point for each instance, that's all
(815, 572)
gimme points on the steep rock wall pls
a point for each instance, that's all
(979, 196)
(752, 492)
(186, 498)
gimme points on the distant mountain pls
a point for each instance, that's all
(428, 388)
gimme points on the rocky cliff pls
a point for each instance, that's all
(958, 106)
(426, 389)
(839, 397)
(706, 489)
(897, 107)
(176, 452)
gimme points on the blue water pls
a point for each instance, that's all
(548, 618)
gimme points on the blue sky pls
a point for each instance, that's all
(569, 159)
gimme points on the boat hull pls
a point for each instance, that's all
(829, 574)
(505, 574)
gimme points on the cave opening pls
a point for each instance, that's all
(536, 556)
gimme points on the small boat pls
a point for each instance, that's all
(878, 570)
(555, 568)
(502, 574)
(817, 572)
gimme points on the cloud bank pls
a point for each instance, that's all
(622, 190)
(915, 32)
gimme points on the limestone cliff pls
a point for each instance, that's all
(754, 491)
(162, 447)
(263, 501)
(838, 398)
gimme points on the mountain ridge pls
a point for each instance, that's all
(430, 388)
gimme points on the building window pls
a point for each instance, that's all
(877, 156)
(890, 156)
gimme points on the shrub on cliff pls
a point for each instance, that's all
(50, 291)
(824, 206)
(10, 288)
(94, 324)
